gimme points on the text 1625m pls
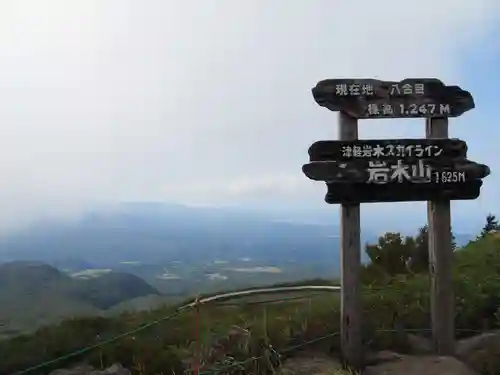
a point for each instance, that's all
(449, 177)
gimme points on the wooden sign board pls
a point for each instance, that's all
(373, 172)
(356, 193)
(409, 98)
(384, 149)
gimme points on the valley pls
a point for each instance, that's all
(139, 257)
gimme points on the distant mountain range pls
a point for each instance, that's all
(156, 233)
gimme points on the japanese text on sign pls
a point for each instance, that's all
(368, 151)
(354, 89)
(360, 89)
(407, 89)
(383, 173)
(402, 110)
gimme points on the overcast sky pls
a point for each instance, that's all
(209, 101)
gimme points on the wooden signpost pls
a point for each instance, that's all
(433, 169)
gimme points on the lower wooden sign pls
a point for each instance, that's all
(382, 172)
(354, 193)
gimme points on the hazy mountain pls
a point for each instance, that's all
(153, 233)
(146, 239)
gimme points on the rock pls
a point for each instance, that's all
(77, 370)
(115, 369)
(382, 357)
(481, 352)
(466, 347)
(312, 364)
(419, 345)
(418, 365)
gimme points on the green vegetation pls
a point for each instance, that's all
(395, 297)
(490, 226)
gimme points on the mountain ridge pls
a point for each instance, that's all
(157, 232)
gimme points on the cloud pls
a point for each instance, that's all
(126, 100)
(286, 186)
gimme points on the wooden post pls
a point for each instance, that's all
(440, 261)
(350, 241)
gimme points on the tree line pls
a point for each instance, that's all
(395, 254)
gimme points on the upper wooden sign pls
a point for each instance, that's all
(412, 97)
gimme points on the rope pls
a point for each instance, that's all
(98, 345)
(249, 292)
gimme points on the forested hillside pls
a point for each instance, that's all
(33, 294)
